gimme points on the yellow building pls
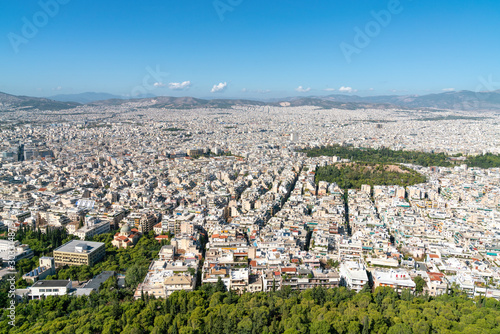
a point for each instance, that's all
(77, 252)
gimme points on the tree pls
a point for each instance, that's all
(400, 329)
(366, 288)
(245, 326)
(135, 275)
(421, 327)
(366, 325)
(320, 327)
(312, 311)
(220, 286)
(419, 284)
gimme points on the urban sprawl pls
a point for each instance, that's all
(233, 198)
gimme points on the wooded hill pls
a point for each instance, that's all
(212, 310)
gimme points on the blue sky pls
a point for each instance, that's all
(248, 48)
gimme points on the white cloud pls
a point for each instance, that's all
(347, 90)
(179, 85)
(448, 89)
(244, 90)
(371, 89)
(329, 89)
(302, 89)
(58, 88)
(219, 88)
(159, 84)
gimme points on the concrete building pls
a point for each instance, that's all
(49, 288)
(396, 279)
(146, 223)
(95, 283)
(76, 252)
(92, 227)
(354, 275)
(14, 251)
(46, 267)
(177, 283)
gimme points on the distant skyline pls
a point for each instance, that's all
(249, 49)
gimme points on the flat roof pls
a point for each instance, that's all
(69, 247)
(51, 284)
(96, 282)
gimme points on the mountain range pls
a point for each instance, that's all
(9, 102)
(89, 97)
(459, 100)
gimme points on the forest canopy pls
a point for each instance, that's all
(210, 310)
(353, 175)
(388, 156)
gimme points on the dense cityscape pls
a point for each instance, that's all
(230, 197)
(249, 167)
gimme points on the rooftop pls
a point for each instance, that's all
(51, 284)
(96, 282)
(70, 246)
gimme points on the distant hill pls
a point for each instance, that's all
(327, 103)
(8, 102)
(170, 102)
(191, 102)
(89, 97)
(462, 100)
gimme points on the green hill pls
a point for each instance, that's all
(210, 310)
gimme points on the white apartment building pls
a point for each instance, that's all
(354, 275)
(396, 279)
(49, 288)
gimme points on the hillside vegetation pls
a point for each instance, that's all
(212, 310)
(387, 156)
(353, 175)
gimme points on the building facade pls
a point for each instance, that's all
(76, 253)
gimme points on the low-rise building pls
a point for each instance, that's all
(46, 267)
(77, 252)
(396, 279)
(49, 288)
(353, 274)
(126, 237)
(14, 251)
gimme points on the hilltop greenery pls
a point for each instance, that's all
(487, 160)
(212, 310)
(352, 176)
(387, 156)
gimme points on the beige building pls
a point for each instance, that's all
(178, 283)
(77, 252)
(146, 223)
